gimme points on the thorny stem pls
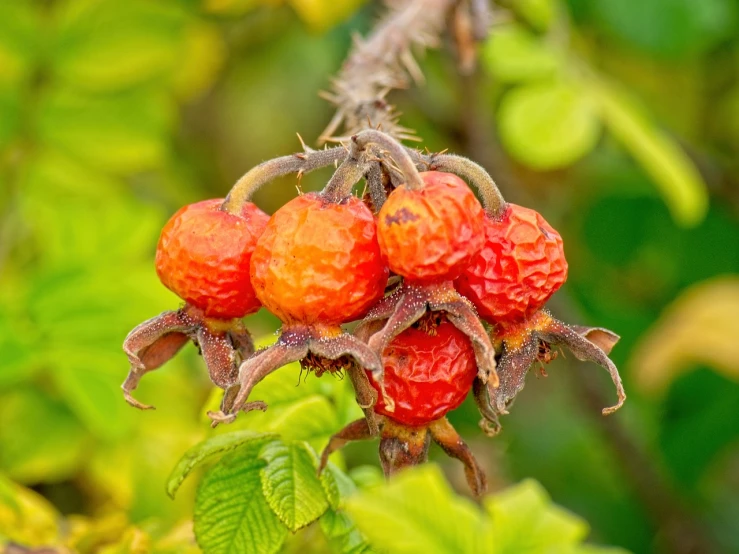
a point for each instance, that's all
(492, 199)
(381, 63)
(265, 172)
(344, 178)
(397, 151)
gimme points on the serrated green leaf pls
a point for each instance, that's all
(122, 133)
(548, 125)
(526, 520)
(109, 45)
(675, 175)
(343, 534)
(206, 450)
(417, 512)
(231, 513)
(514, 54)
(290, 484)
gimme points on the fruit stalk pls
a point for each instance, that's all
(301, 163)
(475, 174)
(397, 152)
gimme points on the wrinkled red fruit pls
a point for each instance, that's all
(431, 234)
(518, 269)
(426, 374)
(203, 256)
(319, 262)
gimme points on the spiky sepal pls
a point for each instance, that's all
(524, 343)
(410, 302)
(224, 344)
(403, 446)
(320, 349)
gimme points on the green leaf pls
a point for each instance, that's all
(675, 175)
(417, 512)
(231, 513)
(10, 113)
(290, 484)
(122, 133)
(33, 521)
(312, 419)
(206, 450)
(548, 125)
(19, 40)
(323, 14)
(514, 54)
(342, 533)
(8, 495)
(337, 485)
(668, 28)
(538, 13)
(109, 45)
(526, 520)
(92, 390)
(40, 440)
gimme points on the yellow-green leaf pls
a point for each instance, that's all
(514, 54)
(290, 484)
(675, 175)
(231, 513)
(206, 450)
(123, 133)
(548, 125)
(109, 45)
(32, 521)
(526, 520)
(417, 512)
(698, 328)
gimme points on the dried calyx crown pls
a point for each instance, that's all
(324, 259)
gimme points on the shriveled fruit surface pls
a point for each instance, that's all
(520, 266)
(319, 262)
(430, 234)
(204, 253)
(427, 374)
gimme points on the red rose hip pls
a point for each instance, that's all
(203, 256)
(520, 266)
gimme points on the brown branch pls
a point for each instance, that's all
(383, 62)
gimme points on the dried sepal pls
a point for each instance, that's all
(314, 348)
(152, 343)
(490, 424)
(403, 446)
(222, 343)
(580, 344)
(524, 343)
(411, 302)
(443, 434)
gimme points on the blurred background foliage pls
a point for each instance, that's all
(616, 119)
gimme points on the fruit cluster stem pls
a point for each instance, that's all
(344, 178)
(475, 174)
(262, 174)
(397, 151)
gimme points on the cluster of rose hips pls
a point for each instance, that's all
(448, 292)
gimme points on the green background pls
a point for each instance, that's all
(618, 120)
